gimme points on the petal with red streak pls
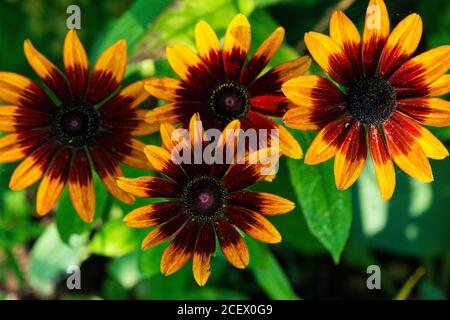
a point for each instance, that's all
(384, 167)
(81, 186)
(149, 187)
(350, 157)
(53, 182)
(252, 223)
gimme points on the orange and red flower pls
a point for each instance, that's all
(221, 86)
(87, 124)
(386, 98)
(205, 201)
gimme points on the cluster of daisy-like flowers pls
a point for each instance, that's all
(375, 94)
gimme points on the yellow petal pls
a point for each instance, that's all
(108, 73)
(163, 88)
(330, 57)
(422, 70)
(76, 64)
(406, 152)
(350, 157)
(47, 71)
(431, 146)
(182, 60)
(206, 40)
(376, 33)
(401, 44)
(236, 45)
(384, 167)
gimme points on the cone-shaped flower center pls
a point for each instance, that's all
(371, 100)
(203, 197)
(229, 101)
(75, 125)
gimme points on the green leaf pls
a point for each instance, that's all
(292, 225)
(50, 257)
(268, 273)
(414, 222)
(115, 239)
(131, 25)
(149, 260)
(161, 287)
(177, 23)
(14, 266)
(327, 210)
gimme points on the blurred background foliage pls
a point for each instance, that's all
(328, 240)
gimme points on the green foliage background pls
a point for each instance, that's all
(328, 240)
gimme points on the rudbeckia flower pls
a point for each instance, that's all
(385, 100)
(219, 84)
(84, 124)
(204, 202)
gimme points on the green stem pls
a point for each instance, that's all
(15, 266)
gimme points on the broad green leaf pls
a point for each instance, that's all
(149, 260)
(115, 239)
(50, 258)
(131, 25)
(268, 273)
(177, 23)
(292, 225)
(414, 222)
(161, 287)
(327, 210)
(14, 266)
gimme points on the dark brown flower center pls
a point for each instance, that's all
(203, 197)
(75, 125)
(229, 101)
(371, 100)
